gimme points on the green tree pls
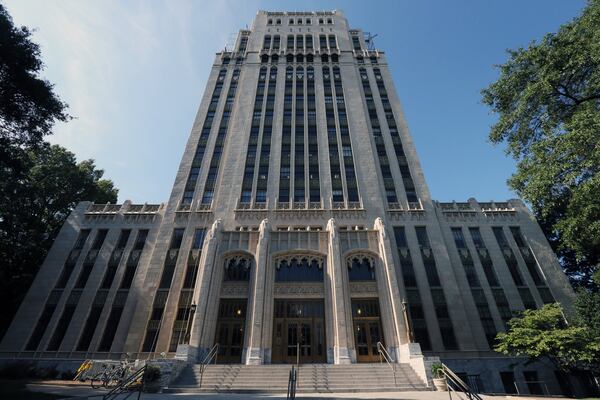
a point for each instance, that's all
(35, 202)
(544, 334)
(548, 103)
(28, 106)
(39, 183)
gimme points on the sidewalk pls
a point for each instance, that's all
(72, 391)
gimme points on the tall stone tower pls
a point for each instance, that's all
(299, 226)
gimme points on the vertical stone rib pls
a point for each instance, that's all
(254, 354)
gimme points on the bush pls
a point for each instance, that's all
(67, 375)
(437, 371)
(151, 374)
(17, 370)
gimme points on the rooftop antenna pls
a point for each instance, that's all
(369, 40)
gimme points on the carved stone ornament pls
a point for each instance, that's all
(263, 229)
(234, 289)
(331, 227)
(426, 252)
(299, 258)
(216, 226)
(360, 258)
(299, 289)
(483, 252)
(464, 253)
(379, 226)
(363, 287)
(239, 261)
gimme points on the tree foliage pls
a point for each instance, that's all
(28, 106)
(39, 183)
(548, 103)
(544, 334)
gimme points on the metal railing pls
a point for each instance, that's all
(292, 381)
(212, 354)
(137, 378)
(457, 385)
(384, 355)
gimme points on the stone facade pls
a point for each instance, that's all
(306, 119)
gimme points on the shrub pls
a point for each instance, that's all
(437, 371)
(152, 373)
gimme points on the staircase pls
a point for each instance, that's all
(315, 378)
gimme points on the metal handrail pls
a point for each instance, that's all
(212, 354)
(460, 384)
(292, 381)
(384, 355)
(124, 386)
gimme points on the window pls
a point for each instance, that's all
(422, 236)
(269, 21)
(141, 239)
(278, 21)
(237, 268)
(361, 268)
(99, 240)
(176, 238)
(459, 239)
(198, 238)
(83, 235)
(477, 239)
(299, 269)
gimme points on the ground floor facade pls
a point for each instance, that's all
(336, 287)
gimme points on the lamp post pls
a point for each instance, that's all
(407, 322)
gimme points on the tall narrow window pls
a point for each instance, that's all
(213, 170)
(415, 306)
(437, 292)
(286, 138)
(192, 179)
(485, 316)
(299, 153)
(382, 155)
(409, 186)
(513, 268)
(314, 188)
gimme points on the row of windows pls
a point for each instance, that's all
(299, 42)
(73, 298)
(160, 299)
(300, 21)
(384, 164)
(190, 186)
(409, 186)
(262, 131)
(215, 162)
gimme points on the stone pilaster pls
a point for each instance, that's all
(202, 291)
(253, 353)
(341, 353)
(391, 292)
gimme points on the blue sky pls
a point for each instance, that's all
(133, 73)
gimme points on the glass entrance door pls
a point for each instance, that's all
(230, 330)
(298, 332)
(367, 329)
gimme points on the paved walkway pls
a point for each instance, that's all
(87, 392)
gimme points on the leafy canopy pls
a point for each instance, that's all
(39, 183)
(543, 334)
(28, 106)
(547, 99)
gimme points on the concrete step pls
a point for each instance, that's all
(311, 378)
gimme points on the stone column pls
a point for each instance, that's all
(254, 353)
(202, 291)
(392, 292)
(341, 353)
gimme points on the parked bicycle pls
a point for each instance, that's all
(111, 376)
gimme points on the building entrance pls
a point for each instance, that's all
(299, 332)
(367, 329)
(230, 330)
